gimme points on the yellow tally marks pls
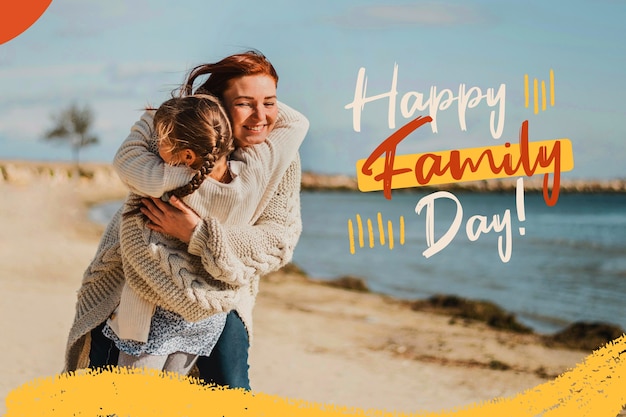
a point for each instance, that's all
(596, 387)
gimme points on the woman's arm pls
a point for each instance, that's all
(140, 167)
(236, 253)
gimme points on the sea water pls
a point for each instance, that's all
(568, 265)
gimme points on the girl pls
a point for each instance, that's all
(192, 131)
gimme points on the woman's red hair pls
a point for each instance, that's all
(230, 68)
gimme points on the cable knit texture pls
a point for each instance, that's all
(221, 266)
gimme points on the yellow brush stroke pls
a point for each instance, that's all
(407, 179)
(370, 232)
(593, 388)
(402, 230)
(552, 88)
(381, 229)
(390, 231)
(359, 223)
(526, 93)
(351, 235)
(536, 92)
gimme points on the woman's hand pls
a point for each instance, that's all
(174, 218)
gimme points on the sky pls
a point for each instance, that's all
(118, 56)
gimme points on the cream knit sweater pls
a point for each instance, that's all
(150, 258)
(226, 258)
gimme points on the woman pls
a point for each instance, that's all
(241, 253)
(192, 130)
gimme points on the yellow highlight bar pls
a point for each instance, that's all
(484, 171)
(593, 388)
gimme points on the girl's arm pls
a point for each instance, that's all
(139, 165)
(161, 271)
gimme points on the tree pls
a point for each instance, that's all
(73, 125)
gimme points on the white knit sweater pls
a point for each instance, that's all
(234, 254)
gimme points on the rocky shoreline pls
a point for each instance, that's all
(22, 171)
(579, 335)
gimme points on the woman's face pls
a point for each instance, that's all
(251, 103)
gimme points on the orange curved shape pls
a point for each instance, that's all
(18, 15)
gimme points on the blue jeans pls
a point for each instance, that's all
(227, 364)
(102, 351)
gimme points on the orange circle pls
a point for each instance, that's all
(18, 15)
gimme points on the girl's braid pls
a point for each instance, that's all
(197, 180)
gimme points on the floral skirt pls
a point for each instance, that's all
(170, 333)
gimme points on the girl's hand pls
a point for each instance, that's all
(174, 218)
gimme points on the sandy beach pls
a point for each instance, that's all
(312, 341)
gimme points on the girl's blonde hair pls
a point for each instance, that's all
(196, 122)
(199, 123)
